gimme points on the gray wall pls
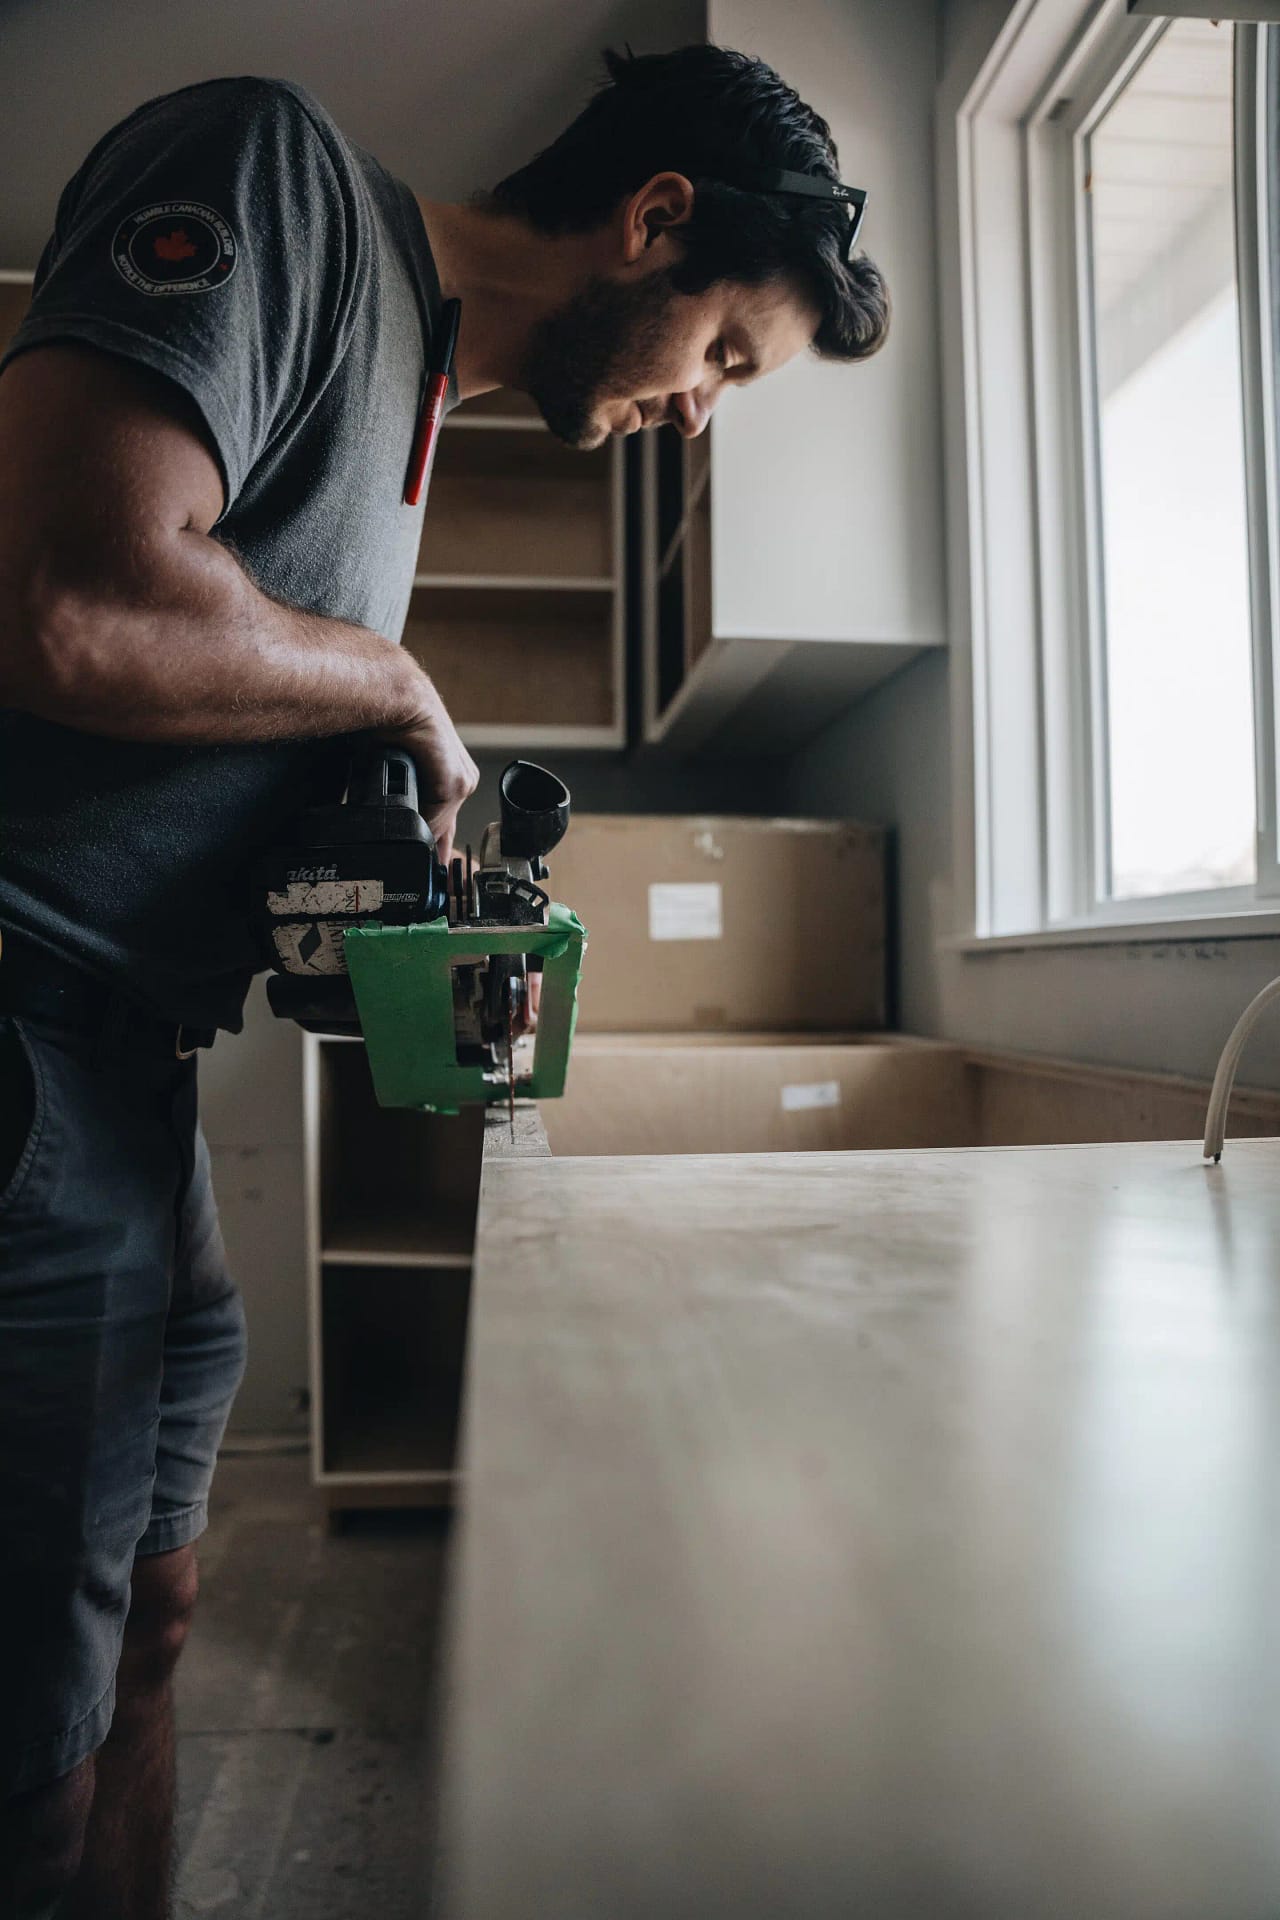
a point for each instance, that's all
(449, 95)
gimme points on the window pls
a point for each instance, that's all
(1118, 503)
(1164, 392)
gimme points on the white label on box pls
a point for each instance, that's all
(685, 910)
(810, 1093)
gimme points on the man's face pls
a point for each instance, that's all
(629, 353)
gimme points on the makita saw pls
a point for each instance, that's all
(368, 933)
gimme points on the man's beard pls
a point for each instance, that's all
(605, 344)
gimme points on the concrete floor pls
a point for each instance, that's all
(305, 1780)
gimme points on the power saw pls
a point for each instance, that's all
(368, 933)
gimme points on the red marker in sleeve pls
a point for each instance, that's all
(432, 412)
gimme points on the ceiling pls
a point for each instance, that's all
(450, 96)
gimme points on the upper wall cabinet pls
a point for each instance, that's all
(797, 559)
(518, 605)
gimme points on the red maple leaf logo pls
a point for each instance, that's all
(173, 246)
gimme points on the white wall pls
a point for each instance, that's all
(1165, 1008)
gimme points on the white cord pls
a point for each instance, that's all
(1215, 1126)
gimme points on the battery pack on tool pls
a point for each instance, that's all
(370, 860)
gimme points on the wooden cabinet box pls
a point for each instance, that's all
(757, 1093)
(790, 1093)
(394, 1340)
(518, 609)
(706, 922)
(391, 1212)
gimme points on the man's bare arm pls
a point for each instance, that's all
(121, 615)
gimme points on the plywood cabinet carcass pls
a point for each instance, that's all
(706, 922)
(391, 1209)
(518, 603)
(789, 1093)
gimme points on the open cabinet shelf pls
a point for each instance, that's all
(518, 605)
(394, 1182)
(392, 1371)
(521, 663)
(391, 1202)
(684, 572)
(511, 501)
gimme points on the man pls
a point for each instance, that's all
(205, 562)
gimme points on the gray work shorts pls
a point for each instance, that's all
(121, 1348)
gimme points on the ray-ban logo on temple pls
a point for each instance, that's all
(174, 246)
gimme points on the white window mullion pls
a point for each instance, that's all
(1093, 869)
(1257, 71)
(1073, 720)
(995, 513)
(1096, 83)
(1006, 668)
(1063, 613)
(1168, 574)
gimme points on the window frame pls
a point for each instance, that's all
(1029, 726)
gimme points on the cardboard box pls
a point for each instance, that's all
(760, 1095)
(698, 924)
(807, 1093)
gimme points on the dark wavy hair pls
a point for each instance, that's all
(716, 117)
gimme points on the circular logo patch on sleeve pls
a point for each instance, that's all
(174, 246)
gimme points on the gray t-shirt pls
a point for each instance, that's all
(230, 238)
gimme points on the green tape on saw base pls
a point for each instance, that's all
(402, 978)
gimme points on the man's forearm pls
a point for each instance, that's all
(122, 614)
(183, 647)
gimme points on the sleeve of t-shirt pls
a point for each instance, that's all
(210, 237)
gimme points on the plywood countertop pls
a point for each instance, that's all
(872, 1535)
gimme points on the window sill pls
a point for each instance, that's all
(1246, 923)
